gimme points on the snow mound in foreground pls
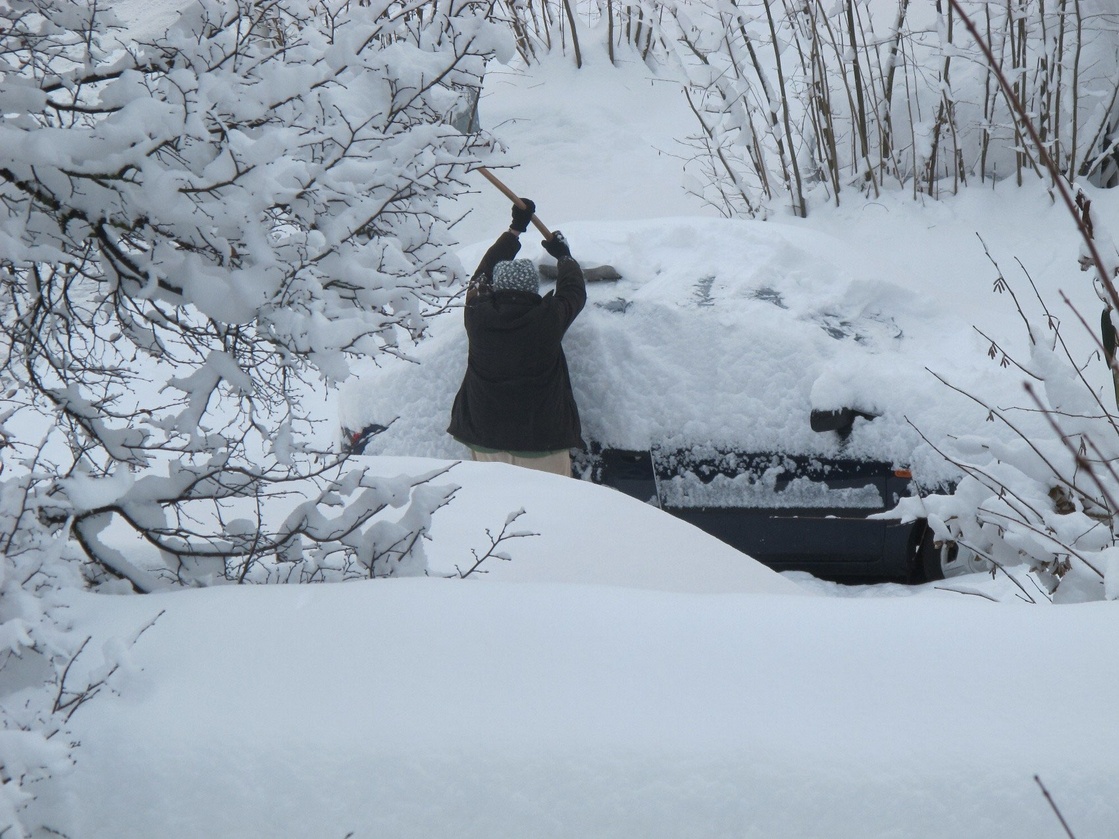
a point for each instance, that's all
(438, 708)
(587, 534)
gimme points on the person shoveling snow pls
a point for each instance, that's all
(515, 404)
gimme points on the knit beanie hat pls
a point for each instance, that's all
(516, 275)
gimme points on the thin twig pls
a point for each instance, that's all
(503, 536)
(1055, 808)
(984, 595)
(996, 412)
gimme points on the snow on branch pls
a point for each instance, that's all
(200, 229)
(493, 551)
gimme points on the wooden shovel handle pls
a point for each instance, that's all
(512, 196)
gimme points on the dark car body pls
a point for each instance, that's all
(792, 513)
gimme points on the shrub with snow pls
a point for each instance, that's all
(1044, 490)
(198, 230)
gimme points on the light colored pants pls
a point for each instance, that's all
(558, 463)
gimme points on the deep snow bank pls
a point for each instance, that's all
(585, 534)
(437, 708)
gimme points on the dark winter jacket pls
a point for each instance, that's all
(516, 394)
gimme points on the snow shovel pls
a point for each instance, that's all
(466, 122)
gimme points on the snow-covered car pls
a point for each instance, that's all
(737, 379)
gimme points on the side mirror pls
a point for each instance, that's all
(840, 421)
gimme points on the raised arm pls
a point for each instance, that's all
(571, 287)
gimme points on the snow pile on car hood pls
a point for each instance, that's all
(720, 333)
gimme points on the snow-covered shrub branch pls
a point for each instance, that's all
(198, 230)
(802, 99)
(200, 227)
(494, 551)
(34, 650)
(1047, 493)
(1044, 490)
(797, 101)
(623, 30)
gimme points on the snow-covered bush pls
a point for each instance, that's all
(1044, 489)
(798, 102)
(198, 229)
(33, 650)
(1048, 493)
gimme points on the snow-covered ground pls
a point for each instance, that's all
(422, 708)
(624, 674)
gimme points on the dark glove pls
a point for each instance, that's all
(557, 245)
(522, 218)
